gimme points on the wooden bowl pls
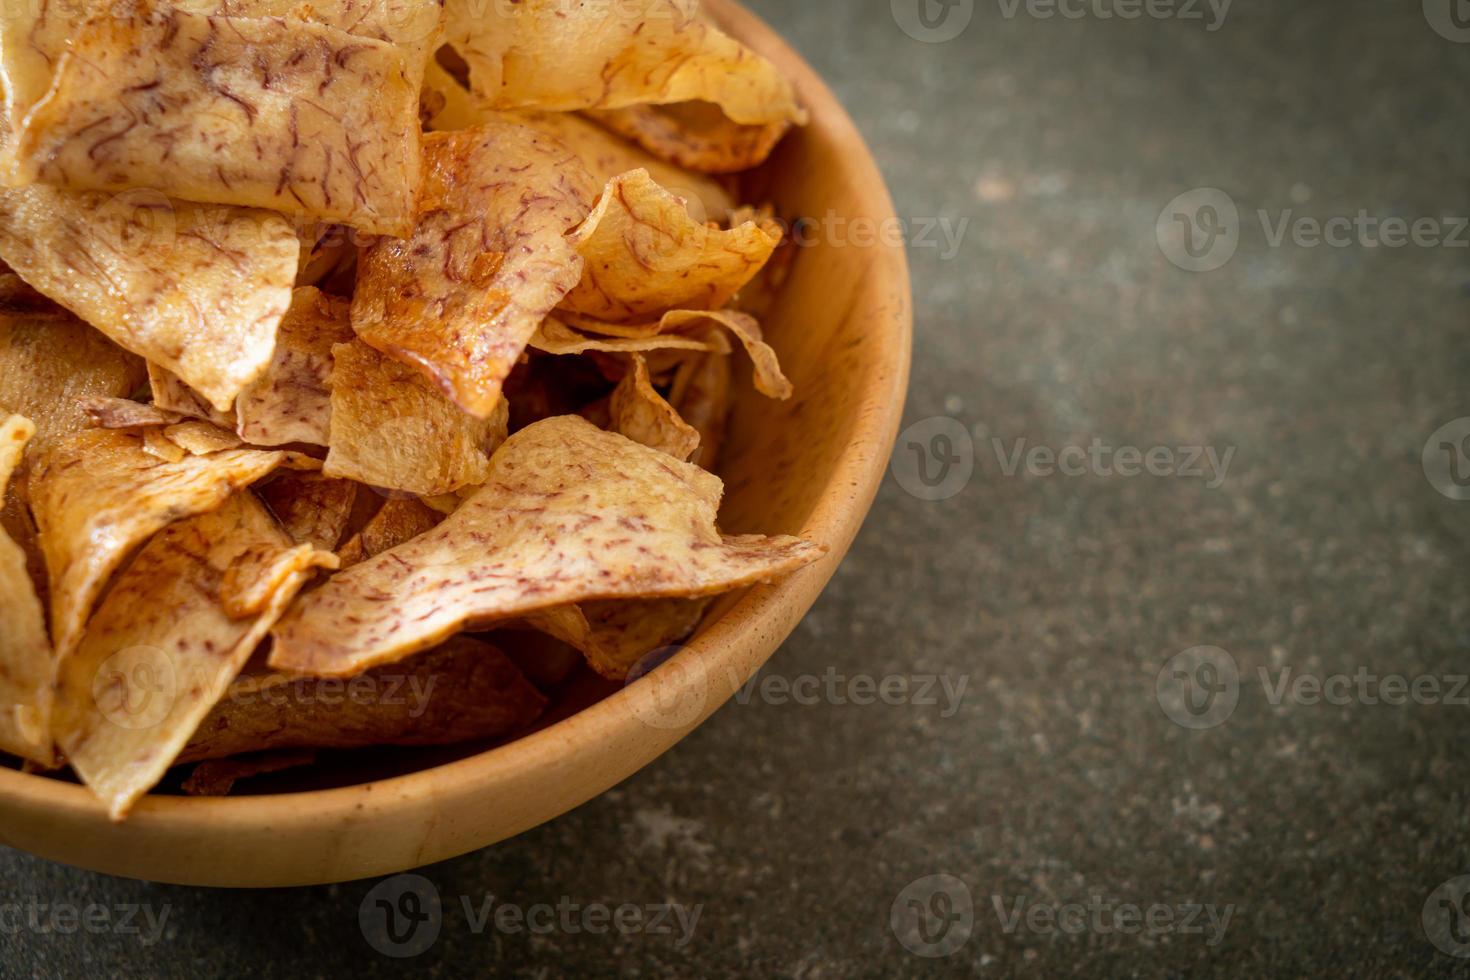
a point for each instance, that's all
(810, 466)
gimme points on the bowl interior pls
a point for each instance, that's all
(809, 466)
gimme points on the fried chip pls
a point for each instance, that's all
(701, 395)
(98, 494)
(394, 430)
(201, 438)
(172, 395)
(555, 337)
(694, 135)
(486, 263)
(160, 446)
(163, 646)
(25, 650)
(199, 291)
(640, 413)
(465, 690)
(569, 514)
(603, 154)
(624, 633)
(644, 254)
(273, 113)
(292, 401)
(124, 413)
(549, 54)
(217, 777)
(314, 509)
(398, 521)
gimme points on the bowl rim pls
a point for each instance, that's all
(728, 650)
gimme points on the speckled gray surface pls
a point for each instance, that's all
(1324, 829)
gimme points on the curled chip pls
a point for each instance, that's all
(644, 254)
(603, 154)
(613, 637)
(695, 135)
(124, 413)
(555, 337)
(701, 395)
(197, 290)
(398, 521)
(174, 630)
(640, 413)
(273, 113)
(314, 509)
(487, 261)
(292, 401)
(25, 651)
(465, 690)
(548, 54)
(218, 777)
(98, 494)
(394, 430)
(568, 514)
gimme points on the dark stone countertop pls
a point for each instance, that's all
(1059, 777)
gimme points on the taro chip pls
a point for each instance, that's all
(465, 690)
(398, 521)
(549, 54)
(272, 113)
(694, 135)
(172, 395)
(196, 290)
(486, 263)
(568, 514)
(625, 633)
(394, 430)
(98, 494)
(124, 413)
(555, 337)
(604, 154)
(25, 650)
(292, 401)
(641, 413)
(644, 254)
(218, 777)
(162, 648)
(314, 509)
(701, 396)
(200, 438)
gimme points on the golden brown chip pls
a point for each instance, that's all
(25, 650)
(162, 648)
(640, 413)
(160, 446)
(292, 401)
(549, 54)
(394, 430)
(398, 521)
(695, 135)
(197, 290)
(701, 396)
(201, 438)
(569, 514)
(465, 690)
(172, 395)
(644, 254)
(603, 154)
(218, 777)
(314, 509)
(623, 633)
(272, 113)
(98, 494)
(124, 413)
(487, 261)
(555, 337)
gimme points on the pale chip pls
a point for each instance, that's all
(162, 648)
(292, 401)
(98, 494)
(694, 135)
(486, 263)
(549, 54)
(272, 113)
(641, 413)
(644, 255)
(392, 429)
(569, 514)
(197, 290)
(201, 438)
(25, 650)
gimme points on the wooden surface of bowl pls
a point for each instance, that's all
(810, 466)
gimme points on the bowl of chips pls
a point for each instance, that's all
(412, 422)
